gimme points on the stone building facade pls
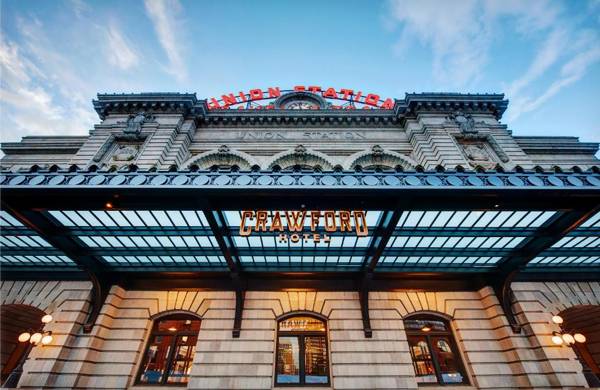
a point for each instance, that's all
(170, 135)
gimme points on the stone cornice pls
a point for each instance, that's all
(175, 103)
(414, 103)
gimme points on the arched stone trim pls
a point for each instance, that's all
(386, 158)
(555, 297)
(159, 315)
(301, 156)
(434, 313)
(220, 157)
(301, 313)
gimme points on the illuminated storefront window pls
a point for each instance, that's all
(433, 351)
(170, 351)
(302, 357)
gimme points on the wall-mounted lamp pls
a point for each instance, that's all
(569, 338)
(34, 337)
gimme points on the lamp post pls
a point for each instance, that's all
(569, 339)
(34, 337)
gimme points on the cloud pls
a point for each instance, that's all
(119, 51)
(164, 16)
(39, 93)
(460, 33)
(546, 56)
(572, 71)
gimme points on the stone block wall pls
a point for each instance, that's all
(109, 357)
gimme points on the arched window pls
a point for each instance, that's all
(170, 351)
(433, 351)
(302, 357)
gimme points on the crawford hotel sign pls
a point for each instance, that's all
(291, 225)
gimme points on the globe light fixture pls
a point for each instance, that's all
(35, 338)
(47, 339)
(579, 338)
(557, 340)
(568, 338)
(557, 320)
(24, 337)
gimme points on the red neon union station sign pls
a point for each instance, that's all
(346, 98)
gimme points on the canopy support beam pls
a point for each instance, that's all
(240, 297)
(55, 236)
(546, 236)
(363, 297)
(100, 289)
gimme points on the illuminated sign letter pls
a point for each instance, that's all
(347, 93)
(274, 92)
(329, 220)
(330, 93)
(345, 221)
(295, 220)
(228, 99)
(314, 89)
(246, 230)
(315, 216)
(261, 221)
(388, 104)
(276, 222)
(299, 88)
(256, 94)
(372, 99)
(361, 223)
(215, 103)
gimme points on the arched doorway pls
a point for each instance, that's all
(585, 319)
(16, 319)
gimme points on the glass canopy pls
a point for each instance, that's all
(184, 240)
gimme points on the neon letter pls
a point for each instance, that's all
(345, 221)
(372, 99)
(361, 223)
(388, 104)
(347, 93)
(274, 92)
(330, 93)
(245, 231)
(315, 216)
(329, 220)
(261, 221)
(295, 220)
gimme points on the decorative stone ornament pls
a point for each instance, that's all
(125, 152)
(465, 122)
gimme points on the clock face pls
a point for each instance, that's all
(301, 105)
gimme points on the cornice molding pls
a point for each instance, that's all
(411, 105)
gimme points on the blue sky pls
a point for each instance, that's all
(56, 55)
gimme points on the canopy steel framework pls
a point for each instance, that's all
(439, 230)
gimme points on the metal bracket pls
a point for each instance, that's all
(363, 297)
(100, 288)
(240, 296)
(504, 294)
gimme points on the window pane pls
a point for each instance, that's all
(301, 323)
(155, 362)
(315, 359)
(183, 359)
(288, 353)
(447, 360)
(419, 350)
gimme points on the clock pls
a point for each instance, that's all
(300, 105)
